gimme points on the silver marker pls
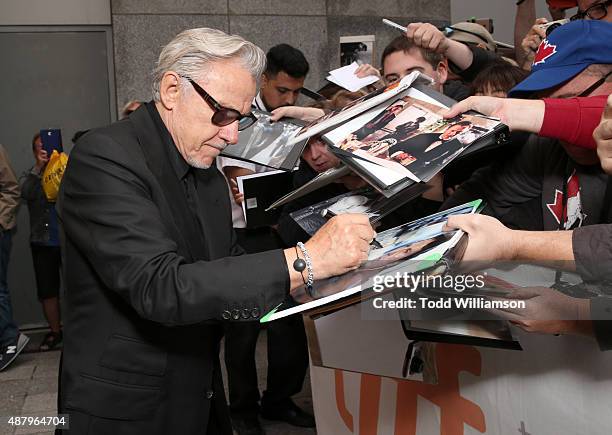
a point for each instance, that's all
(395, 25)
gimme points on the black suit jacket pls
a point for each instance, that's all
(147, 290)
(416, 145)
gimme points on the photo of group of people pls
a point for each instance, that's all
(323, 122)
(413, 133)
(352, 109)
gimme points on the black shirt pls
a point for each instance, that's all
(184, 172)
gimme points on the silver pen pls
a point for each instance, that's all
(395, 25)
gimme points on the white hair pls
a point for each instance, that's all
(192, 51)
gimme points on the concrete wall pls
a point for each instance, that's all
(142, 27)
(502, 12)
(54, 12)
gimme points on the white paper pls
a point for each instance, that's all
(346, 78)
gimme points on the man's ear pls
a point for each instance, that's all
(442, 71)
(170, 89)
(264, 80)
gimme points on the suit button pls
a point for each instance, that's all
(608, 310)
(255, 313)
(210, 394)
(235, 314)
(226, 315)
(246, 313)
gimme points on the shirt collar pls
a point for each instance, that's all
(181, 167)
(259, 104)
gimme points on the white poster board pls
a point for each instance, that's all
(556, 386)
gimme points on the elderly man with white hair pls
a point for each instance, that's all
(151, 261)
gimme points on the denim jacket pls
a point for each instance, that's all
(38, 206)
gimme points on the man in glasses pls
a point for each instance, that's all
(593, 10)
(152, 266)
(551, 184)
(587, 10)
(286, 70)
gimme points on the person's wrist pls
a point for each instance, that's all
(537, 115)
(582, 323)
(583, 309)
(571, 323)
(522, 115)
(315, 258)
(304, 265)
(445, 46)
(512, 244)
(296, 279)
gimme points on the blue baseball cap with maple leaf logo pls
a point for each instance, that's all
(567, 51)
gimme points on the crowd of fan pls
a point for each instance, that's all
(551, 158)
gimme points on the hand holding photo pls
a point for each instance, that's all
(409, 248)
(411, 134)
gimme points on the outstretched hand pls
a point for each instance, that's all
(603, 138)
(546, 311)
(304, 113)
(365, 70)
(488, 239)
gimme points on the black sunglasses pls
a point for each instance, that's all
(224, 115)
(595, 12)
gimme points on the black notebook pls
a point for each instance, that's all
(260, 191)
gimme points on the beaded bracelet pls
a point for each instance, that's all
(299, 265)
(308, 262)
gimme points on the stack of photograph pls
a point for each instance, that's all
(396, 140)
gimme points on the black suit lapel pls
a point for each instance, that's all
(157, 157)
